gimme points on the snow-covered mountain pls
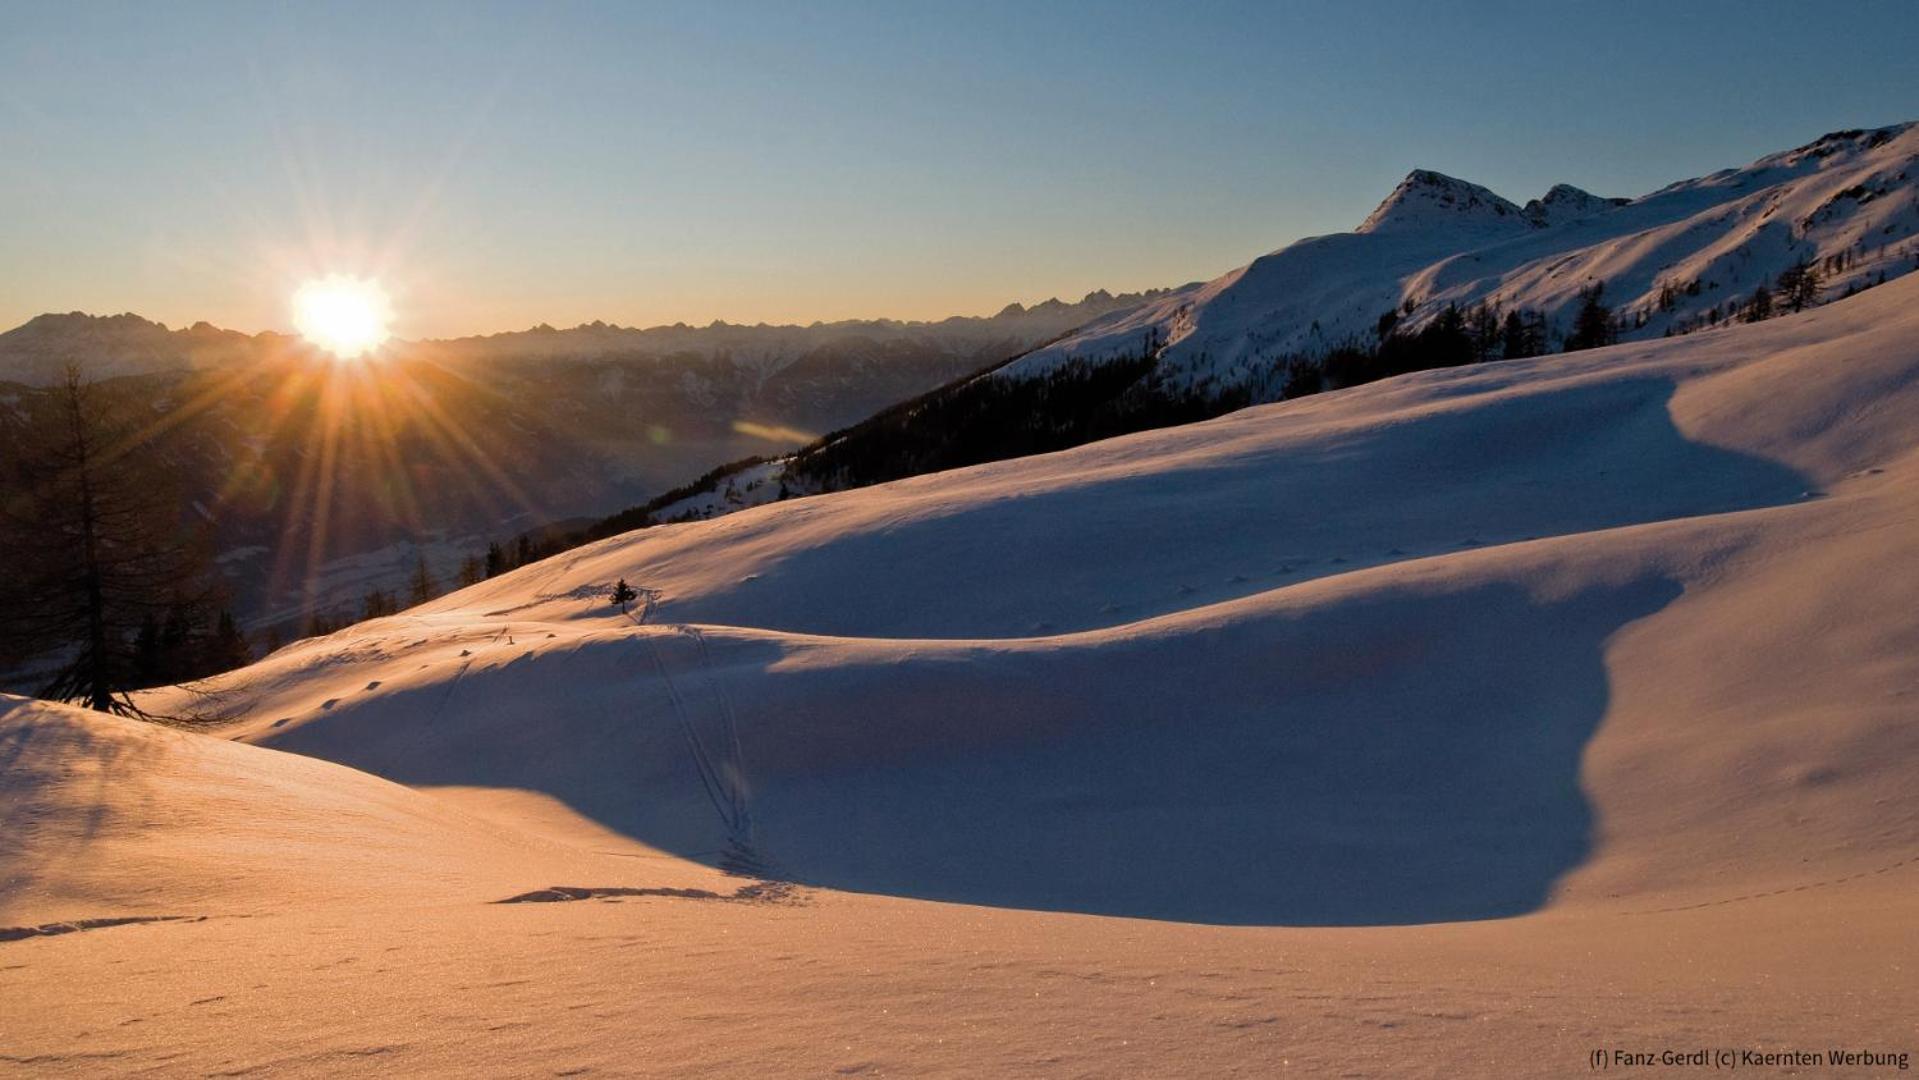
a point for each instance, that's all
(1680, 258)
(1566, 696)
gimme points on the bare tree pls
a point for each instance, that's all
(98, 546)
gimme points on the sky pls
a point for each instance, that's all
(496, 166)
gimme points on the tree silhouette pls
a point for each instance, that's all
(1800, 285)
(623, 595)
(1593, 326)
(422, 586)
(378, 603)
(101, 566)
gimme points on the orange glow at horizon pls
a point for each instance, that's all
(347, 316)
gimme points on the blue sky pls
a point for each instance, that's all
(503, 165)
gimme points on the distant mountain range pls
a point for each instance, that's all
(476, 438)
(37, 352)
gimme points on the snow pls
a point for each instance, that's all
(754, 485)
(1437, 241)
(1427, 201)
(1458, 723)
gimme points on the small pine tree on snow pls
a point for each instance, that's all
(495, 560)
(623, 595)
(1760, 307)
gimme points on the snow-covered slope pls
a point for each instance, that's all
(1568, 696)
(111, 815)
(1442, 560)
(1699, 246)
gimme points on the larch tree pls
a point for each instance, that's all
(101, 558)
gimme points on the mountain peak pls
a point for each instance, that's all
(1565, 202)
(1433, 200)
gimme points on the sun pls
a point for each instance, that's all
(346, 316)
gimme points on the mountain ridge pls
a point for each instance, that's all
(37, 351)
(1438, 242)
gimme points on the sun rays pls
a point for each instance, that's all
(347, 451)
(347, 316)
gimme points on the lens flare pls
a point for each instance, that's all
(346, 316)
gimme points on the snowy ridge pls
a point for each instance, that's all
(1699, 246)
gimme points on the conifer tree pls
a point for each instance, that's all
(1800, 285)
(1593, 326)
(226, 648)
(1484, 326)
(378, 604)
(422, 586)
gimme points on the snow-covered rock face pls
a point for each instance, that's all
(1427, 200)
(1567, 203)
